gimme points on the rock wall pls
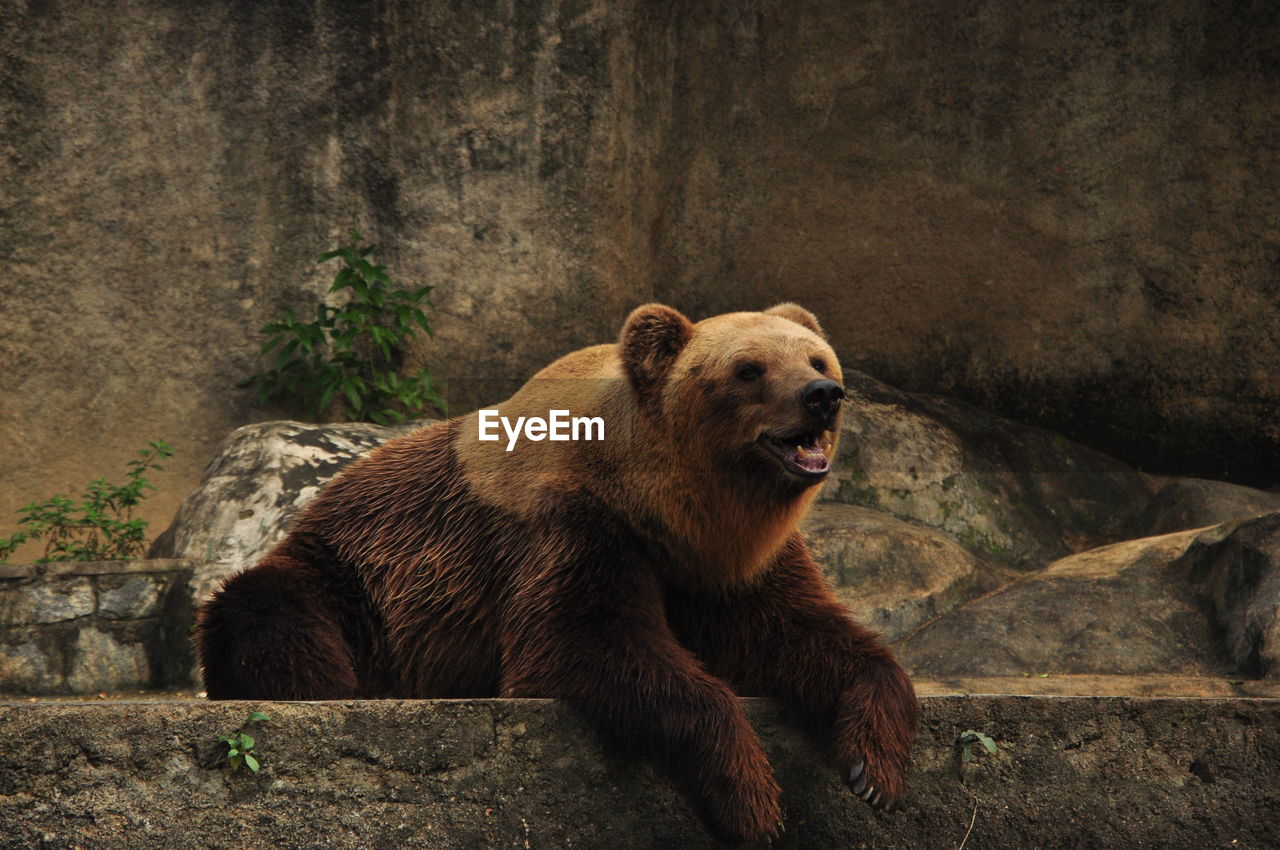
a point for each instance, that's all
(169, 174)
(1082, 772)
(82, 628)
(1062, 211)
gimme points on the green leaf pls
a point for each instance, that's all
(246, 742)
(966, 755)
(256, 717)
(251, 762)
(986, 741)
(353, 396)
(235, 761)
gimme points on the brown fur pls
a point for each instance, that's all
(648, 578)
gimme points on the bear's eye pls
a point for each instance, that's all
(749, 371)
(819, 364)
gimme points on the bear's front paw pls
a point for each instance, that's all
(743, 809)
(874, 733)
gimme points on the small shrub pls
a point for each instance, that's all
(351, 353)
(240, 744)
(968, 738)
(100, 527)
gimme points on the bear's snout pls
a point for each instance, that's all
(822, 398)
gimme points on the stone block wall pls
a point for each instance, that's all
(78, 628)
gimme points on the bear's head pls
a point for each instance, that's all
(755, 396)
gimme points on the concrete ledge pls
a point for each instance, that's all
(1071, 771)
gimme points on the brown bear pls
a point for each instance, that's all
(650, 577)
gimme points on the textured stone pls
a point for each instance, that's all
(138, 636)
(130, 598)
(45, 601)
(893, 575)
(1202, 602)
(1061, 210)
(1194, 503)
(101, 663)
(260, 476)
(1082, 772)
(26, 668)
(1015, 493)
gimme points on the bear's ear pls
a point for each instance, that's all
(651, 338)
(799, 315)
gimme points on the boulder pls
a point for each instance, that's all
(1201, 602)
(1017, 494)
(260, 476)
(1184, 503)
(894, 575)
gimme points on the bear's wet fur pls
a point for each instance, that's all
(650, 578)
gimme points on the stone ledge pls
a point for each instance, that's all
(1071, 771)
(97, 568)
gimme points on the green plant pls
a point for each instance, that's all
(352, 353)
(101, 527)
(968, 738)
(240, 744)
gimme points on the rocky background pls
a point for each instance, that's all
(979, 547)
(1063, 211)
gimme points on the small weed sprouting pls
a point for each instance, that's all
(965, 741)
(968, 738)
(353, 353)
(240, 744)
(101, 526)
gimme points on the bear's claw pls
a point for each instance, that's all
(873, 794)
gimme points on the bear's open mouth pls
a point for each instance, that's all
(803, 454)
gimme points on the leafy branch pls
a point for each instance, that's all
(100, 526)
(353, 353)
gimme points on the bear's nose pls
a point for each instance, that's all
(822, 397)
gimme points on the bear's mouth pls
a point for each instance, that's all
(803, 454)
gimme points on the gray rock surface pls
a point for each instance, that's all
(1017, 494)
(84, 628)
(260, 476)
(1201, 602)
(894, 575)
(1194, 502)
(1069, 772)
